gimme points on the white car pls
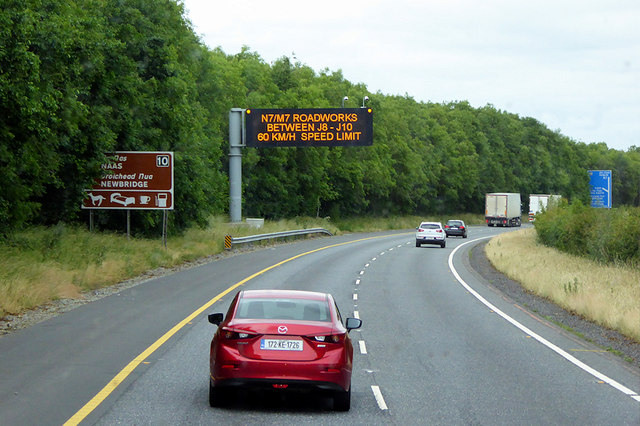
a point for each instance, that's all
(430, 233)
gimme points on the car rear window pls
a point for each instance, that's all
(295, 309)
(454, 223)
(429, 226)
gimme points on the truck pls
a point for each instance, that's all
(539, 202)
(503, 209)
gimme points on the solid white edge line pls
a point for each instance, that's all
(378, 396)
(539, 338)
(363, 347)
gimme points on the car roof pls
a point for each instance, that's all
(283, 294)
(430, 223)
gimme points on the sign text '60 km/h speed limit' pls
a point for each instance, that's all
(309, 127)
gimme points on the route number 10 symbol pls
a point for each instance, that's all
(163, 161)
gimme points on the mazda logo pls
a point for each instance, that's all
(282, 329)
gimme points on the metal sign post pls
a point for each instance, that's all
(165, 219)
(235, 164)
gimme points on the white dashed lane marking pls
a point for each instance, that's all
(361, 343)
(379, 399)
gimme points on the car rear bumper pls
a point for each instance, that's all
(430, 240)
(331, 371)
(269, 384)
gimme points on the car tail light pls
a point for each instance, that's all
(235, 335)
(420, 230)
(439, 230)
(332, 338)
(446, 226)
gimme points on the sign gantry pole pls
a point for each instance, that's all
(235, 164)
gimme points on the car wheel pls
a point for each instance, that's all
(443, 244)
(465, 235)
(417, 243)
(342, 400)
(216, 398)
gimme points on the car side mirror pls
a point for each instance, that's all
(215, 318)
(353, 323)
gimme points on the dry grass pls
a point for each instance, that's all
(43, 264)
(607, 295)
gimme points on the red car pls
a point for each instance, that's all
(282, 340)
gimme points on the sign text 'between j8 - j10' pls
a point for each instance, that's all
(309, 127)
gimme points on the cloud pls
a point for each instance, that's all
(572, 65)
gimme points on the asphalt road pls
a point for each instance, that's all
(437, 346)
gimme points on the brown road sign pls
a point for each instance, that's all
(140, 180)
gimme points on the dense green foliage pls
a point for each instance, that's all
(605, 235)
(79, 79)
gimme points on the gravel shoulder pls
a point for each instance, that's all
(566, 322)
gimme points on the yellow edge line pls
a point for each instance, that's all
(124, 373)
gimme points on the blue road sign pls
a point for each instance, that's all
(600, 184)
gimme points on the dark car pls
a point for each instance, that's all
(455, 228)
(282, 340)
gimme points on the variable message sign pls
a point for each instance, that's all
(139, 180)
(600, 184)
(309, 127)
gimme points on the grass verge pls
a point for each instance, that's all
(39, 265)
(606, 295)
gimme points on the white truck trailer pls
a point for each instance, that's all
(503, 209)
(539, 202)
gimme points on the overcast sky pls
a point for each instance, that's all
(574, 65)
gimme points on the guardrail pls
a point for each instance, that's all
(229, 241)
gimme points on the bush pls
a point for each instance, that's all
(605, 235)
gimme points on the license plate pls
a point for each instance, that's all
(280, 345)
